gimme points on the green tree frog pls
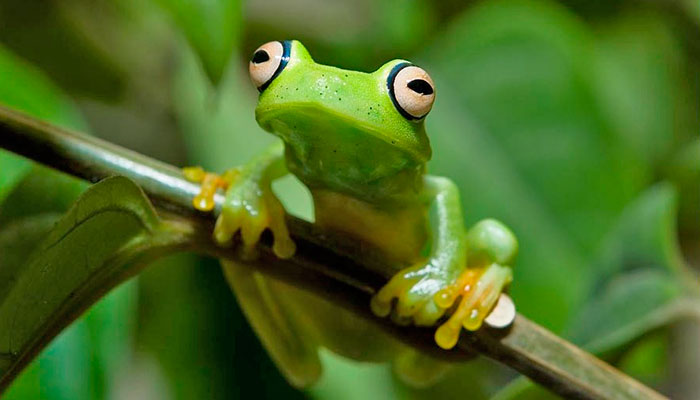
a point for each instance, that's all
(358, 142)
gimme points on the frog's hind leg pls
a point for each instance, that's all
(287, 341)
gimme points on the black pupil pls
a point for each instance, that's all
(260, 56)
(420, 86)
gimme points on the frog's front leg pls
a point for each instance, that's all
(425, 292)
(250, 206)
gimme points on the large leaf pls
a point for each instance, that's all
(212, 27)
(526, 128)
(519, 142)
(90, 250)
(541, 116)
(643, 274)
(644, 284)
(642, 84)
(26, 214)
(17, 239)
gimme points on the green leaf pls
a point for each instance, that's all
(28, 197)
(89, 352)
(642, 286)
(646, 100)
(530, 134)
(54, 43)
(541, 116)
(212, 27)
(643, 275)
(12, 169)
(31, 92)
(684, 171)
(26, 214)
(519, 141)
(17, 239)
(90, 250)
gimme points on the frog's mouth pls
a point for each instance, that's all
(327, 149)
(309, 121)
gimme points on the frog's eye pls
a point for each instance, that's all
(412, 90)
(267, 62)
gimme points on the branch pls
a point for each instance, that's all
(342, 271)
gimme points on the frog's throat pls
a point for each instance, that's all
(265, 115)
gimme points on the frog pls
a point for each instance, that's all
(357, 141)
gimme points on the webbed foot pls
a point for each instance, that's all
(444, 285)
(414, 291)
(250, 207)
(478, 290)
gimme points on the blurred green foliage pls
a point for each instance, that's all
(576, 123)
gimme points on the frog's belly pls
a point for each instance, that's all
(399, 233)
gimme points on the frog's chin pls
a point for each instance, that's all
(305, 119)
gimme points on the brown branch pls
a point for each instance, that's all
(342, 271)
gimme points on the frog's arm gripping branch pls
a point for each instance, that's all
(472, 278)
(487, 250)
(251, 205)
(451, 235)
(323, 264)
(416, 289)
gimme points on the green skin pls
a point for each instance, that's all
(364, 164)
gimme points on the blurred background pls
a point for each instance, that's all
(574, 122)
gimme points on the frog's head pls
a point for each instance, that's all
(299, 97)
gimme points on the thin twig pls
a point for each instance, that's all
(344, 272)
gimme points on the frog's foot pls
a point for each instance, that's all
(210, 183)
(250, 208)
(479, 290)
(413, 292)
(423, 298)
